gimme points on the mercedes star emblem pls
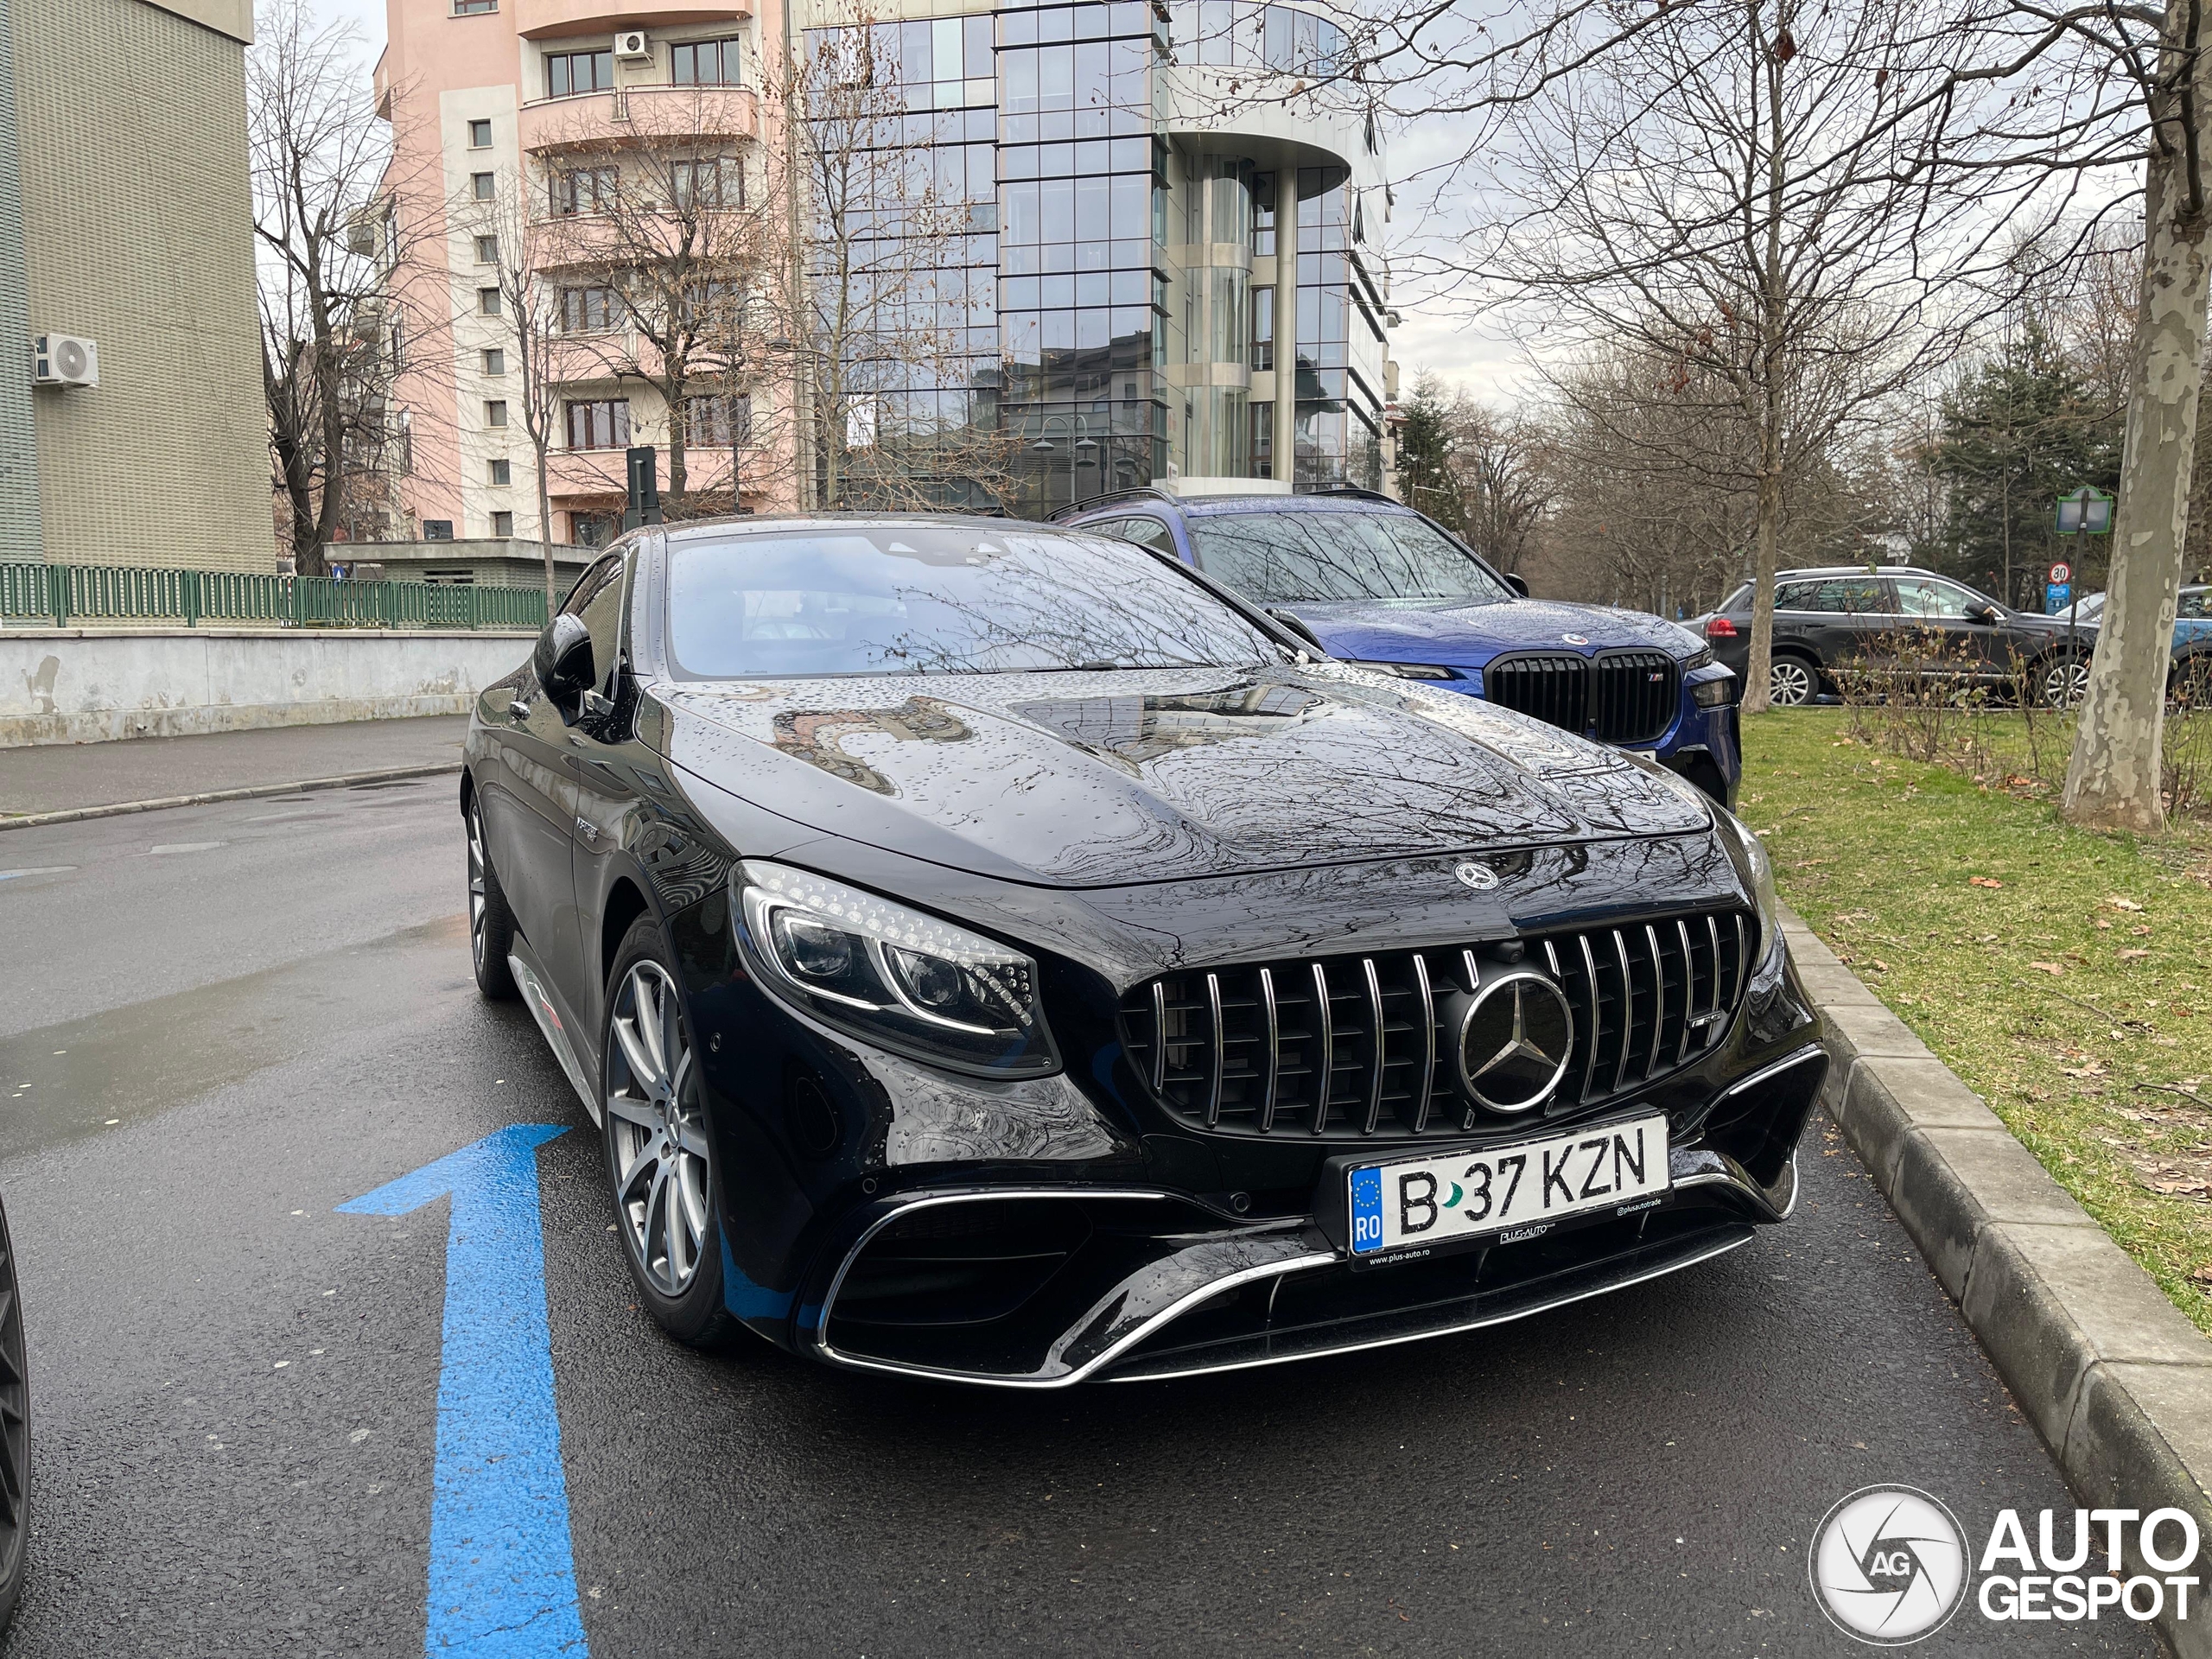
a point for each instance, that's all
(1480, 877)
(1515, 1041)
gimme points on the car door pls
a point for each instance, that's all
(1956, 620)
(604, 757)
(530, 837)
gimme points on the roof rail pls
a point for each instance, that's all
(1138, 492)
(1357, 491)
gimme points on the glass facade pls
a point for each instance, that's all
(1119, 291)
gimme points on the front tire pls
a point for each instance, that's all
(15, 1435)
(2062, 682)
(1790, 682)
(490, 923)
(660, 1160)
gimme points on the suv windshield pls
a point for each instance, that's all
(939, 599)
(1284, 557)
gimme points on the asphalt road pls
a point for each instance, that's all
(217, 1024)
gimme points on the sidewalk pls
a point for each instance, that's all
(71, 777)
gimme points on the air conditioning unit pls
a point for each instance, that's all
(633, 46)
(65, 360)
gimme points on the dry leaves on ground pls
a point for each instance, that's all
(1983, 882)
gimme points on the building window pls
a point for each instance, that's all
(709, 181)
(567, 74)
(1263, 331)
(486, 186)
(585, 190)
(473, 8)
(495, 412)
(1263, 215)
(589, 310)
(706, 63)
(487, 301)
(487, 250)
(599, 423)
(502, 470)
(718, 420)
(1263, 440)
(495, 359)
(437, 530)
(502, 524)
(591, 528)
(480, 132)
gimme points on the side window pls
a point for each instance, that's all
(1933, 598)
(598, 600)
(1148, 533)
(1797, 596)
(1859, 596)
(2196, 604)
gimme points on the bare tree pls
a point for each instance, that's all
(878, 291)
(666, 238)
(328, 254)
(514, 229)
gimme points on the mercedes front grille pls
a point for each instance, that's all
(1354, 1046)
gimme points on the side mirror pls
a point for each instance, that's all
(1518, 584)
(562, 661)
(1986, 613)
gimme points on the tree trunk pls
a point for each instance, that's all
(545, 534)
(1773, 321)
(2112, 779)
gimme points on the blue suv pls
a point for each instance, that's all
(1371, 582)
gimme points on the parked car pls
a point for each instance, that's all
(1002, 954)
(1371, 580)
(2192, 643)
(15, 1435)
(1828, 621)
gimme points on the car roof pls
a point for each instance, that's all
(1219, 502)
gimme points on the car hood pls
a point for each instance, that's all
(1467, 636)
(1109, 778)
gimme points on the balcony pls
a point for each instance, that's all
(551, 19)
(639, 115)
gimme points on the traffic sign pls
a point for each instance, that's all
(2061, 573)
(2057, 597)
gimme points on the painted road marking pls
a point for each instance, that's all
(503, 1577)
(43, 869)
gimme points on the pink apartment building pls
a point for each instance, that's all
(493, 102)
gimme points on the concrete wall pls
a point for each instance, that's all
(87, 686)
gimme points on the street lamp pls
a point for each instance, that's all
(1081, 453)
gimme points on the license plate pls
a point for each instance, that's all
(1503, 1189)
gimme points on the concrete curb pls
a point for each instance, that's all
(344, 780)
(2116, 1379)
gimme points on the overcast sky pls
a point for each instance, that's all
(1431, 335)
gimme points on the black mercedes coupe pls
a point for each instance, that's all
(997, 953)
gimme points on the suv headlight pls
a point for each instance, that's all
(893, 977)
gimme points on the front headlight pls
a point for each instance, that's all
(893, 977)
(1760, 869)
(1405, 671)
(1716, 693)
(1702, 657)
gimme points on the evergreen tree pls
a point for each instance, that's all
(2017, 433)
(1427, 478)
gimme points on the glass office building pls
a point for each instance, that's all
(1169, 270)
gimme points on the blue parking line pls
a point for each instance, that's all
(502, 1580)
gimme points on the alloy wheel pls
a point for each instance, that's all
(476, 895)
(1788, 682)
(657, 1132)
(2065, 683)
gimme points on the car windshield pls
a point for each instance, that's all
(1284, 557)
(939, 599)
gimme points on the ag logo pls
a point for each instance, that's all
(1480, 877)
(1889, 1564)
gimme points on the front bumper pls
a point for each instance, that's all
(1046, 1286)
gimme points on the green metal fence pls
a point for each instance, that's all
(65, 595)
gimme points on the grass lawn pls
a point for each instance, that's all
(2066, 976)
